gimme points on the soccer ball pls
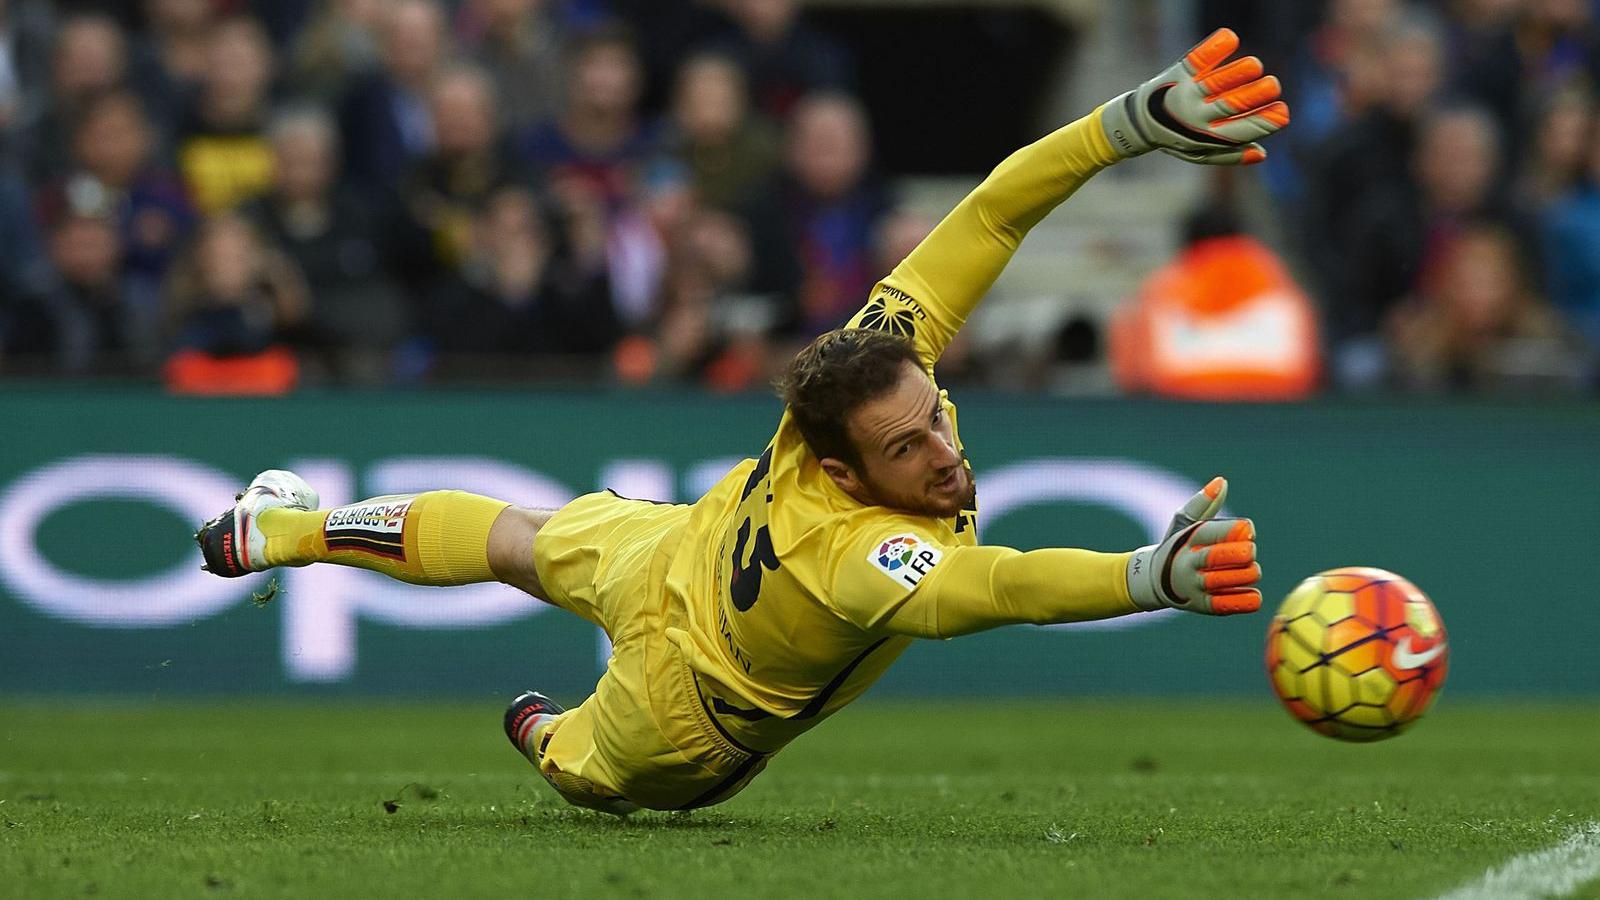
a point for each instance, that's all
(1356, 654)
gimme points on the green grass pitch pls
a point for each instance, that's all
(1112, 799)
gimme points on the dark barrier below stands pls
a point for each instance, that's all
(1490, 508)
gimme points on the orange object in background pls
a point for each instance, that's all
(271, 372)
(1223, 321)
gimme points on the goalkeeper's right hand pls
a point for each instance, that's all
(1204, 565)
(1200, 110)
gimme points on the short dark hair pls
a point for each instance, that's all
(833, 376)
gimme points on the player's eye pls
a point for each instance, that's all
(938, 414)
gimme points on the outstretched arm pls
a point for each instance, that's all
(930, 293)
(1204, 565)
(978, 588)
(1199, 110)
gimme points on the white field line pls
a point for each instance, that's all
(1552, 872)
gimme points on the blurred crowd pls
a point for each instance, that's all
(1439, 190)
(248, 195)
(243, 196)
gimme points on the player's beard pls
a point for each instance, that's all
(965, 496)
(930, 501)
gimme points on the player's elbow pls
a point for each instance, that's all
(986, 204)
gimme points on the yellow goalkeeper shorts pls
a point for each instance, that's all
(645, 737)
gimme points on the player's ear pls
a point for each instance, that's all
(842, 474)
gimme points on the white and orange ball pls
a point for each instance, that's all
(1357, 653)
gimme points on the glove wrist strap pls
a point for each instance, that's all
(1120, 120)
(1142, 586)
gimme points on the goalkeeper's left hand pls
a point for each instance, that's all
(1199, 109)
(1205, 565)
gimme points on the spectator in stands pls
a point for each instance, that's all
(1223, 321)
(600, 135)
(91, 55)
(595, 152)
(785, 57)
(528, 289)
(1328, 83)
(338, 45)
(1559, 44)
(716, 327)
(669, 198)
(1555, 168)
(665, 32)
(1571, 232)
(1390, 183)
(729, 153)
(1366, 163)
(1396, 238)
(232, 295)
(21, 259)
(173, 55)
(1477, 323)
(519, 43)
(113, 153)
(444, 190)
(90, 58)
(384, 120)
(177, 36)
(85, 319)
(283, 19)
(1486, 64)
(356, 314)
(25, 47)
(829, 206)
(222, 147)
(1510, 56)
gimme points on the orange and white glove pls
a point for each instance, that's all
(1205, 565)
(1200, 110)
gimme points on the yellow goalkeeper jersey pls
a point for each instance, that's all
(794, 596)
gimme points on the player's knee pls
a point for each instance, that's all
(511, 547)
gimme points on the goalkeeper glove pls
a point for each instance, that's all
(1204, 565)
(1200, 110)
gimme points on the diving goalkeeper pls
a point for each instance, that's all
(744, 619)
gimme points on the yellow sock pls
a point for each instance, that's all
(434, 538)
